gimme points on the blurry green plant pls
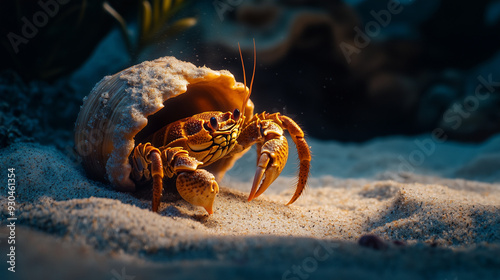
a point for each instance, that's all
(152, 24)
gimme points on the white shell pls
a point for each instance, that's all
(126, 107)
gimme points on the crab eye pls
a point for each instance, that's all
(236, 114)
(213, 123)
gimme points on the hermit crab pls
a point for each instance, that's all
(170, 119)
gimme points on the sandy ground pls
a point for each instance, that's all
(435, 207)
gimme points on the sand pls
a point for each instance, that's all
(437, 218)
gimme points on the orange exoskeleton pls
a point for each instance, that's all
(183, 147)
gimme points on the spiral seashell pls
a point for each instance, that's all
(125, 108)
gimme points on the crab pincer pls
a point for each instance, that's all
(273, 154)
(267, 130)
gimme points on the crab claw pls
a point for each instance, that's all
(273, 155)
(198, 188)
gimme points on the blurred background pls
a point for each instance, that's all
(348, 71)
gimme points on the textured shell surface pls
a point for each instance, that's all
(125, 108)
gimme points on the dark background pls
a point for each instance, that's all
(409, 79)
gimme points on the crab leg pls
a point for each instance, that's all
(196, 186)
(157, 173)
(303, 152)
(145, 155)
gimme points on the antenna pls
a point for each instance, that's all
(243, 66)
(254, 65)
(244, 76)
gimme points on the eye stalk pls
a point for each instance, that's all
(236, 114)
(213, 123)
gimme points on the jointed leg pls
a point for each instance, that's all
(196, 186)
(304, 154)
(147, 163)
(157, 173)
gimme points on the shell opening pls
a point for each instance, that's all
(126, 108)
(199, 97)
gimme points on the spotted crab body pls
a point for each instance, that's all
(192, 134)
